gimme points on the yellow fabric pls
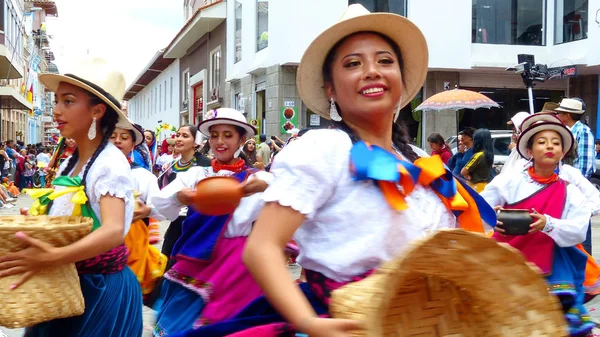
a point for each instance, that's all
(79, 198)
(146, 261)
(478, 187)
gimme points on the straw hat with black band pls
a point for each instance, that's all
(571, 105)
(543, 122)
(98, 77)
(403, 32)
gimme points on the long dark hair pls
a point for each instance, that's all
(400, 137)
(482, 141)
(108, 124)
(436, 138)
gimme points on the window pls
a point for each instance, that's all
(185, 86)
(571, 22)
(159, 97)
(165, 100)
(515, 22)
(262, 24)
(171, 93)
(238, 31)
(215, 73)
(389, 6)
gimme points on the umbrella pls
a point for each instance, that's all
(457, 99)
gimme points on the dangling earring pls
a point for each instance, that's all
(237, 153)
(333, 112)
(92, 130)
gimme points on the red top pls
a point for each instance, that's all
(444, 152)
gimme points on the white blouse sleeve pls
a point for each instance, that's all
(572, 228)
(148, 188)
(307, 170)
(590, 193)
(166, 202)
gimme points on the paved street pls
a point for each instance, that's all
(24, 201)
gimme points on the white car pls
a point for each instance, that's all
(501, 139)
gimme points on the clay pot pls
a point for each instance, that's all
(515, 221)
(218, 195)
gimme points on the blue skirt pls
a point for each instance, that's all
(113, 308)
(566, 282)
(177, 309)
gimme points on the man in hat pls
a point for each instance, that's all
(570, 112)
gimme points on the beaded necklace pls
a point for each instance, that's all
(182, 167)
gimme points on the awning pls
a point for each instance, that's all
(11, 99)
(205, 19)
(13, 69)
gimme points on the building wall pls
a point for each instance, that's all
(197, 59)
(143, 108)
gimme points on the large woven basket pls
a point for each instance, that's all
(52, 293)
(454, 283)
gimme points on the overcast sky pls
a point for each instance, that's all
(126, 32)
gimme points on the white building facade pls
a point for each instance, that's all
(471, 43)
(156, 102)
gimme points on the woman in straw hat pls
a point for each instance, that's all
(559, 217)
(88, 110)
(336, 189)
(208, 278)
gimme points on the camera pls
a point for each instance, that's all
(529, 71)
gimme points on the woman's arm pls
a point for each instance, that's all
(264, 256)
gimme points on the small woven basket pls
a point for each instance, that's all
(53, 292)
(454, 283)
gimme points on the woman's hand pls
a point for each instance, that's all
(254, 186)
(540, 222)
(143, 211)
(29, 261)
(186, 196)
(498, 228)
(330, 327)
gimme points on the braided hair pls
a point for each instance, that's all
(108, 124)
(399, 130)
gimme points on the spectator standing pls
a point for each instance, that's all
(570, 113)
(438, 146)
(464, 151)
(263, 150)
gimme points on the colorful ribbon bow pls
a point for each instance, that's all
(72, 185)
(370, 162)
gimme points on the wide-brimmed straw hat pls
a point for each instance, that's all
(542, 122)
(408, 37)
(225, 116)
(100, 78)
(570, 105)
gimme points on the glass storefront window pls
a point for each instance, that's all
(571, 23)
(262, 24)
(238, 31)
(389, 6)
(513, 22)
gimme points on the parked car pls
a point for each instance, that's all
(500, 141)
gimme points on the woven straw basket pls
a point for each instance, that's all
(454, 283)
(52, 293)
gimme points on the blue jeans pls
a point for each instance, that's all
(587, 244)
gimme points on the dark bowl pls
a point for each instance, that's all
(515, 221)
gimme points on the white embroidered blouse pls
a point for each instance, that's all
(167, 204)
(569, 230)
(110, 174)
(349, 227)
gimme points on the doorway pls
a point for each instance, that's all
(260, 110)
